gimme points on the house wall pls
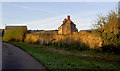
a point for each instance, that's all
(67, 28)
(73, 28)
(60, 30)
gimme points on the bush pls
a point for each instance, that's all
(15, 34)
(108, 27)
(72, 44)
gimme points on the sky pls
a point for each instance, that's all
(49, 15)
(59, 0)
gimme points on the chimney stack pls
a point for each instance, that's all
(63, 22)
(68, 17)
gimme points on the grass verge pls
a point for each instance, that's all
(56, 61)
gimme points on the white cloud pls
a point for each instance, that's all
(82, 20)
(54, 22)
(46, 24)
(25, 7)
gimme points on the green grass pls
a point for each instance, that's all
(53, 60)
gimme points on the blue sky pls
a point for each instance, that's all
(49, 15)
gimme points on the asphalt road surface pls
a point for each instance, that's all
(15, 58)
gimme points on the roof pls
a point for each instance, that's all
(13, 27)
(85, 30)
(42, 31)
(66, 22)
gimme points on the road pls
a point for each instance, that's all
(15, 58)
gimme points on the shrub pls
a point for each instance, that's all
(15, 34)
(108, 27)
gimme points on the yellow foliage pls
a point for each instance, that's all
(14, 34)
(92, 40)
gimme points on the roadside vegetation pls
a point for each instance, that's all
(15, 34)
(108, 27)
(58, 59)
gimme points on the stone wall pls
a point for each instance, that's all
(91, 40)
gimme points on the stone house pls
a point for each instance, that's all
(67, 27)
